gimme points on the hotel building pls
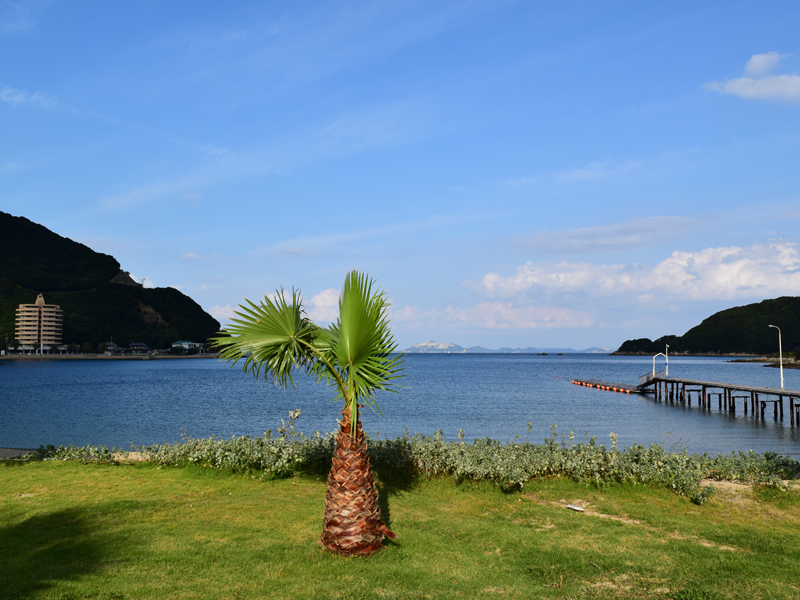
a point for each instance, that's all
(39, 324)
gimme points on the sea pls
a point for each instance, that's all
(132, 403)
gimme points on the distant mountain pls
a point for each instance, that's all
(98, 299)
(739, 330)
(431, 347)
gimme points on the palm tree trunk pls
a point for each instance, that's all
(351, 523)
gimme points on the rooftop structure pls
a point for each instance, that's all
(39, 323)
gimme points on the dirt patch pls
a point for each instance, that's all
(590, 511)
(129, 457)
(728, 486)
(679, 536)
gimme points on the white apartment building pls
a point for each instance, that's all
(39, 324)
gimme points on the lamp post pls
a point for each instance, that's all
(666, 373)
(780, 351)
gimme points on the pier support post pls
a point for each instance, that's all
(705, 399)
(719, 401)
(780, 401)
(791, 410)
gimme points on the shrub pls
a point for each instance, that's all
(510, 466)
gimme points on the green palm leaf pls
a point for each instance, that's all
(355, 353)
(272, 338)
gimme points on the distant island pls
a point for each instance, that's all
(743, 330)
(99, 300)
(431, 347)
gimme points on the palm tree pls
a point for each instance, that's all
(354, 355)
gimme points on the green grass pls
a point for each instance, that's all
(72, 531)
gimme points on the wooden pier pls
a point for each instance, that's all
(752, 399)
(728, 396)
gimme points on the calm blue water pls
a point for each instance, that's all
(118, 403)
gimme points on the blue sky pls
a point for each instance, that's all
(512, 173)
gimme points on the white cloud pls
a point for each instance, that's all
(597, 170)
(636, 233)
(594, 170)
(308, 245)
(147, 282)
(491, 315)
(758, 82)
(20, 15)
(757, 271)
(504, 315)
(405, 314)
(325, 306)
(222, 313)
(190, 256)
(215, 150)
(763, 64)
(17, 97)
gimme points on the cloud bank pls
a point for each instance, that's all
(628, 235)
(726, 273)
(758, 82)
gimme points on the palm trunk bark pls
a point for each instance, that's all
(351, 523)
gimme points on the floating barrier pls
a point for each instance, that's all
(604, 385)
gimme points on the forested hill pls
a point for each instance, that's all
(35, 260)
(740, 330)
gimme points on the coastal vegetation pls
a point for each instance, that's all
(115, 529)
(356, 356)
(99, 301)
(511, 467)
(739, 330)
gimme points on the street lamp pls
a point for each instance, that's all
(666, 373)
(780, 351)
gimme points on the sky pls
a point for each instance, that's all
(546, 174)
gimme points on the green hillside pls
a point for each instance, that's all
(38, 261)
(739, 330)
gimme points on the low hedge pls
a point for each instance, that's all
(509, 465)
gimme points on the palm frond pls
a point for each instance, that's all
(273, 338)
(365, 345)
(356, 353)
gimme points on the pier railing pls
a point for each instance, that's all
(647, 377)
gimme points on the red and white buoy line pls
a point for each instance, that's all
(604, 385)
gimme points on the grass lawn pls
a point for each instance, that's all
(69, 530)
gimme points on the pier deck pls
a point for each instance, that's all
(753, 399)
(756, 398)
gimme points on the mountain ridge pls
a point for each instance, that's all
(741, 330)
(98, 299)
